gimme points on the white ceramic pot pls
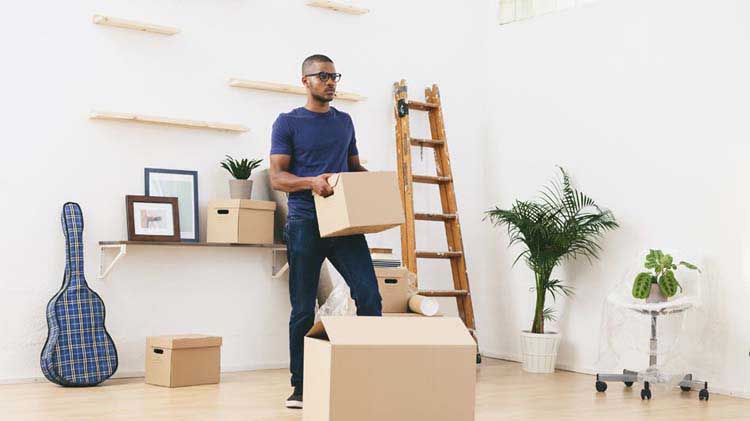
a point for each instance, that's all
(240, 189)
(539, 351)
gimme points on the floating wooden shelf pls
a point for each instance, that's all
(137, 26)
(339, 7)
(288, 89)
(139, 118)
(380, 250)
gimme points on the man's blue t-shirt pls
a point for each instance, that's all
(318, 143)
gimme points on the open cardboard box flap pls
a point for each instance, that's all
(398, 331)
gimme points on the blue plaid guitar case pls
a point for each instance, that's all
(78, 351)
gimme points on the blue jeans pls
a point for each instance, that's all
(306, 251)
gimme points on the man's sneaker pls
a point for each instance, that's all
(295, 400)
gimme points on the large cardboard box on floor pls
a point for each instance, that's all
(362, 202)
(240, 221)
(393, 284)
(183, 360)
(389, 368)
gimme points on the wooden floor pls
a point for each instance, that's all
(504, 392)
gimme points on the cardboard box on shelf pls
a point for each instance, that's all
(183, 360)
(361, 203)
(389, 368)
(394, 289)
(240, 221)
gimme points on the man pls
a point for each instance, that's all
(309, 144)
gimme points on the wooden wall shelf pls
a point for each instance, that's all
(134, 25)
(288, 89)
(279, 267)
(338, 7)
(181, 244)
(167, 121)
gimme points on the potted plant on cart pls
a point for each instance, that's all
(240, 187)
(561, 224)
(660, 283)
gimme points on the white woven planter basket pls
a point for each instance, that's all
(539, 351)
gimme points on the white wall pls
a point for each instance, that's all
(60, 66)
(632, 97)
(645, 103)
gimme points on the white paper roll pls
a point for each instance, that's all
(425, 306)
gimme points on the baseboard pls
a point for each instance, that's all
(256, 367)
(23, 380)
(141, 373)
(592, 372)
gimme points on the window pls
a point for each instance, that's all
(515, 10)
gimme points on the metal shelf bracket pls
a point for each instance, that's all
(280, 263)
(123, 249)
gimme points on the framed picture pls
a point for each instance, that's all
(152, 218)
(184, 186)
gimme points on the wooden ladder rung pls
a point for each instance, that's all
(439, 254)
(428, 179)
(444, 293)
(422, 106)
(430, 143)
(435, 216)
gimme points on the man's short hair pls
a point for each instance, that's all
(315, 58)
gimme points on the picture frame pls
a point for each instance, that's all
(182, 184)
(152, 218)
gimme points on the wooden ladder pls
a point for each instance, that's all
(444, 180)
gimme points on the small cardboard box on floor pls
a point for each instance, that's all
(389, 368)
(183, 360)
(240, 221)
(393, 284)
(361, 203)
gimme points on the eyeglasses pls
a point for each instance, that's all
(324, 76)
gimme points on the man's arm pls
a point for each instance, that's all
(355, 165)
(283, 180)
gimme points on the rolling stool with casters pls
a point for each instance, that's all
(629, 377)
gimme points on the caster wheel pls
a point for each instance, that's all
(479, 358)
(628, 384)
(685, 388)
(601, 386)
(703, 395)
(645, 394)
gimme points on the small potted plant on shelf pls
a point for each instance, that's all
(562, 224)
(240, 187)
(662, 274)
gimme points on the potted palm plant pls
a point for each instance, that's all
(240, 187)
(562, 223)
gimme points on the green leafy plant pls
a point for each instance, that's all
(562, 223)
(240, 169)
(662, 273)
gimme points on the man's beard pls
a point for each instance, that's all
(321, 98)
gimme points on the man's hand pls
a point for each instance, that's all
(283, 180)
(320, 185)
